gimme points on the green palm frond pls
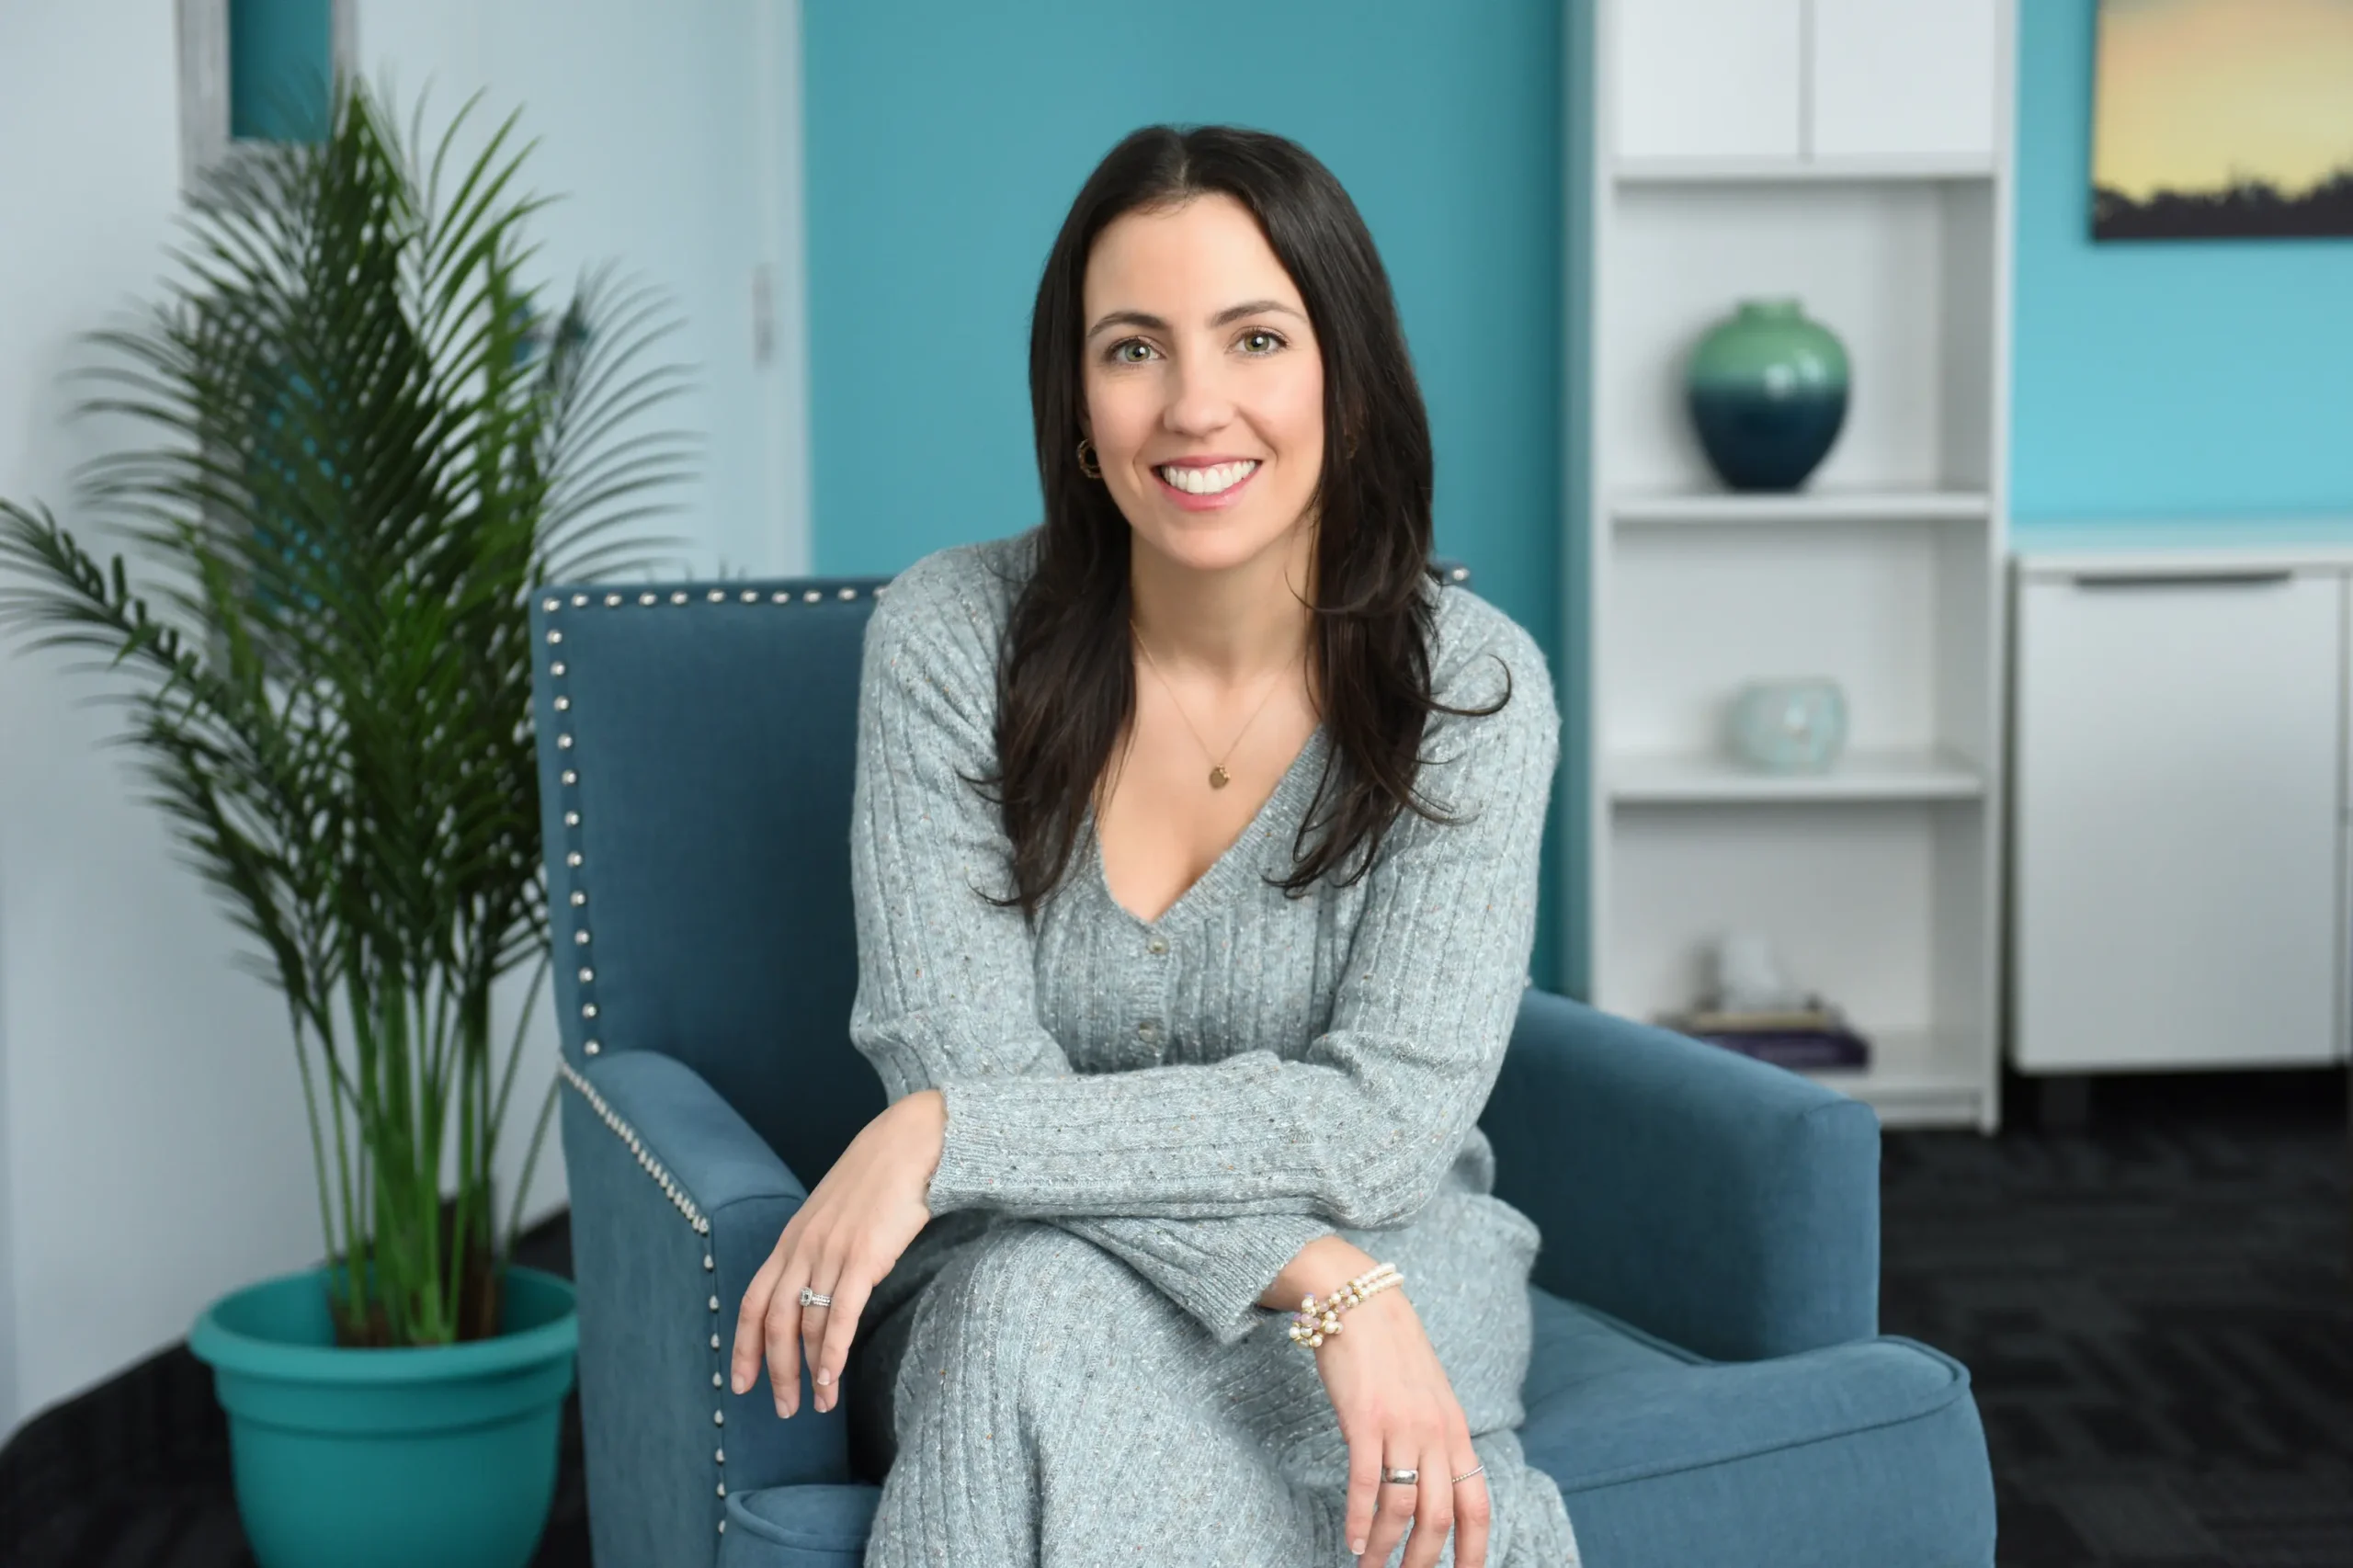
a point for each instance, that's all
(371, 438)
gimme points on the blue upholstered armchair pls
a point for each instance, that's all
(1708, 1383)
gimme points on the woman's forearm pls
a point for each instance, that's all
(1321, 1265)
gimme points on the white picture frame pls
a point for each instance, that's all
(203, 27)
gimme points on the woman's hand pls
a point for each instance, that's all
(847, 1236)
(1398, 1411)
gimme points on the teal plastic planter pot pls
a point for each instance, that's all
(440, 1456)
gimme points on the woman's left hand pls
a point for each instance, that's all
(847, 1235)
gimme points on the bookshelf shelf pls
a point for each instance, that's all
(1774, 170)
(1699, 507)
(1703, 778)
(1916, 1077)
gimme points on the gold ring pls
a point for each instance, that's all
(1469, 1473)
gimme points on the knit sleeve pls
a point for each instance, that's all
(947, 981)
(1357, 1135)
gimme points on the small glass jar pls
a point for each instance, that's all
(1789, 726)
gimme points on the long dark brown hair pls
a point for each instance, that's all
(1065, 675)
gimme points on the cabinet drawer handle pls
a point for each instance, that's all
(2182, 579)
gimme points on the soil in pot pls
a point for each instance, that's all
(479, 1302)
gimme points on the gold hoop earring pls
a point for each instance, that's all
(1086, 464)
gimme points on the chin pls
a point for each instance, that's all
(1211, 542)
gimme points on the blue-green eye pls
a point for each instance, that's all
(1120, 354)
(1260, 341)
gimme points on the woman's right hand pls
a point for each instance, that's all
(1398, 1411)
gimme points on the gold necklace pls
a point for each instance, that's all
(1219, 777)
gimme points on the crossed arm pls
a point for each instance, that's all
(1208, 1178)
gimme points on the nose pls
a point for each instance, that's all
(1199, 403)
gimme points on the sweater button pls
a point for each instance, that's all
(1156, 944)
(1149, 1028)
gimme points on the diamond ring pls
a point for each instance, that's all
(810, 1299)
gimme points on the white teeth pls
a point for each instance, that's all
(1208, 481)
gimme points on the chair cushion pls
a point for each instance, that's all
(798, 1527)
(1868, 1452)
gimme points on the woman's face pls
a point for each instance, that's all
(1204, 383)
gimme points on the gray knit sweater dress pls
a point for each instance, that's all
(1147, 1119)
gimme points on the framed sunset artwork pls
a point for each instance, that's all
(2222, 119)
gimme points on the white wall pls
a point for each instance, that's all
(154, 1149)
(655, 124)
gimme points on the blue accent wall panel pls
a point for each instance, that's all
(2164, 379)
(945, 140)
(281, 59)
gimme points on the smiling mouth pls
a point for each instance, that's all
(1214, 479)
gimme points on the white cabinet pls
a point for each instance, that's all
(1902, 78)
(1797, 83)
(1709, 78)
(2176, 843)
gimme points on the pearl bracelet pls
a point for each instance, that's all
(1310, 1324)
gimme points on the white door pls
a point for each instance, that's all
(1904, 78)
(1706, 78)
(2175, 843)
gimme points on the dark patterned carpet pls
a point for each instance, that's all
(2157, 1315)
(2157, 1310)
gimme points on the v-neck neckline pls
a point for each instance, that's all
(1211, 883)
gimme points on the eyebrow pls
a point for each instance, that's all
(1225, 317)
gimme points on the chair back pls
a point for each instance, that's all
(697, 750)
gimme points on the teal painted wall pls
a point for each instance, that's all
(945, 140)
(2161, 379)
(282, 57)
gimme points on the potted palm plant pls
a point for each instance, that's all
(373, 441)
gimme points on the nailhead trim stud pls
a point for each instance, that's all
(574, 858)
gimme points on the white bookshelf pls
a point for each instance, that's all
(1854, 155)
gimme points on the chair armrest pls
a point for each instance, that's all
(638, 1128)
(1726, 1205)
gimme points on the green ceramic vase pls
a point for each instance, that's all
(442, 1456)
(1767, 392)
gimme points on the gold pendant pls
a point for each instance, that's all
(1218, 780)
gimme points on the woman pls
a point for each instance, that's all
(1195, 862)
